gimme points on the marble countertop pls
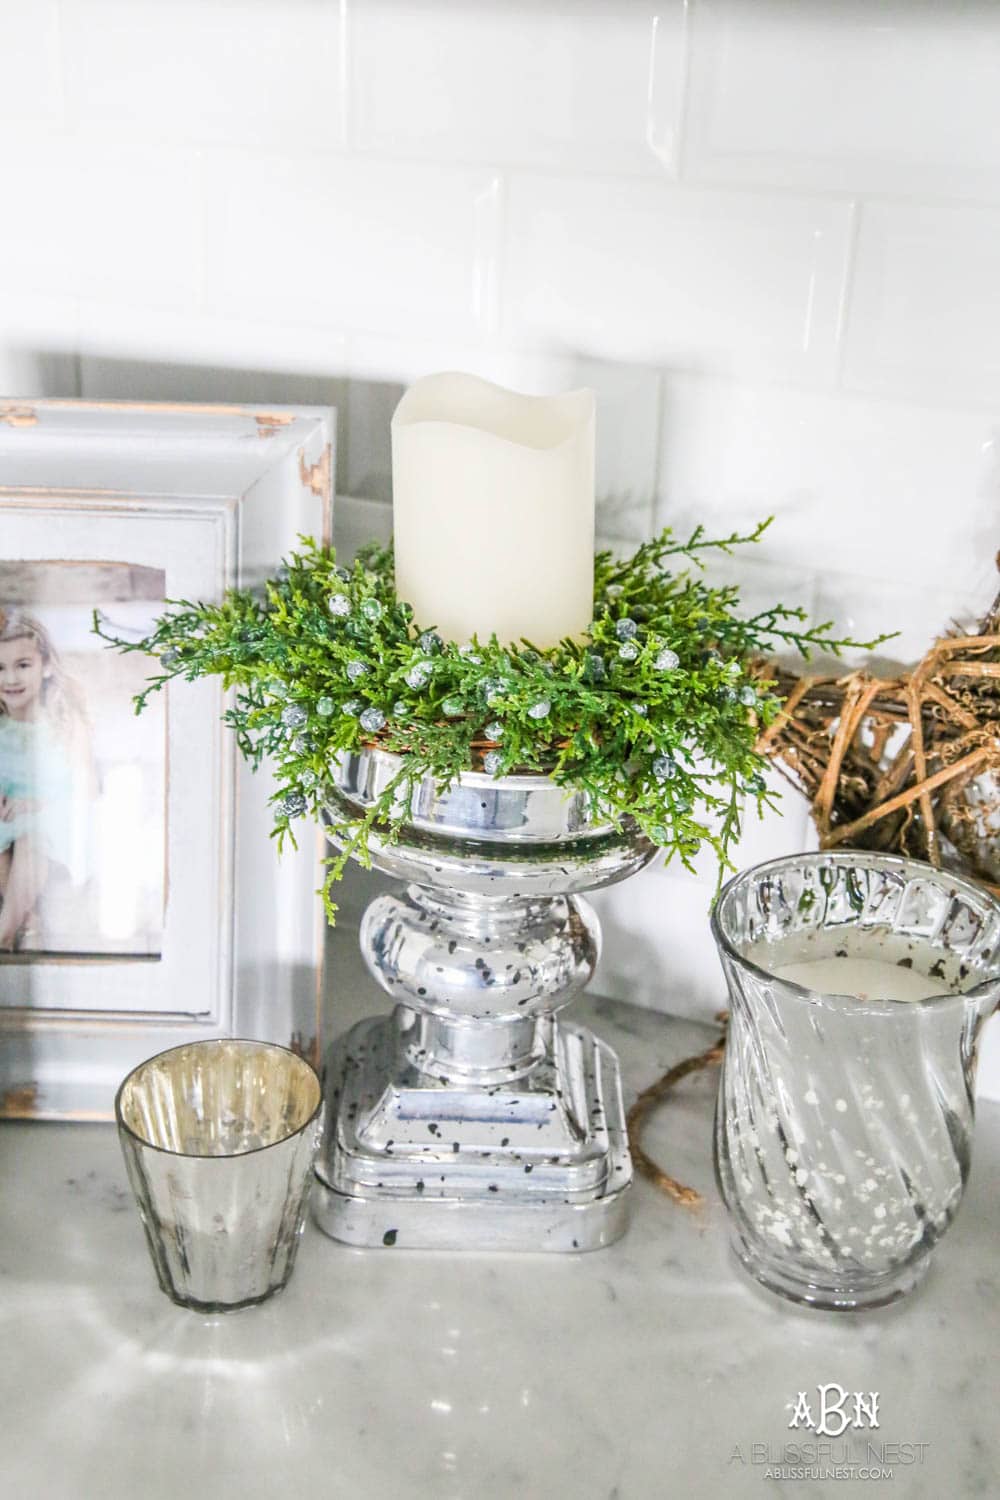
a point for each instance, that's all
(647, 1369)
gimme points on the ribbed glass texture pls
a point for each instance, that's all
(843, 1129)
(219, 1139)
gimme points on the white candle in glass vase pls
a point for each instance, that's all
(493, 510)
(865, 978)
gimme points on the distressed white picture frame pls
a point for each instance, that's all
(215, 496)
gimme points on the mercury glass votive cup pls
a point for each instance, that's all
(219, 1139)
(843, 1130)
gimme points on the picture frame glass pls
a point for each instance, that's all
(83, 830)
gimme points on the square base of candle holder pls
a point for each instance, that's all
(413, 1161)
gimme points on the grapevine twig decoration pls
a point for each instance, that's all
(907, 764)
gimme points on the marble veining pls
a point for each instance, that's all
(635, 1372)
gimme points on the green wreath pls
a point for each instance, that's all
(655, 713)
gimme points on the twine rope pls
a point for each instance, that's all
(686, 1197)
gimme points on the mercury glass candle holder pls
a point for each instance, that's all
(843, 1131)
(219, 1139)
(474, 1116)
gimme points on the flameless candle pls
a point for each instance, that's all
(864, 978)
(493, 497)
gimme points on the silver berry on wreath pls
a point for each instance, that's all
(494, 689)
(372, 720)
(340, 606)
(294, 716)
(664, 767)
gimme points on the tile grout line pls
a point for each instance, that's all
(847, 293)
(683, 114)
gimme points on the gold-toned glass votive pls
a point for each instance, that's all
(219, 1139)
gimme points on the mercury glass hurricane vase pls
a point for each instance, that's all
(474, 1116)
(843, 1131)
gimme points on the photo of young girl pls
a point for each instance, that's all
(82, 780)
(47, 777)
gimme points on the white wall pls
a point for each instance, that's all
(768, 234)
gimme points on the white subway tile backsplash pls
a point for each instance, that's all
(30, 85)
(357, 522)
(866, 607)
(783, 829)
(206, 70)
(352, 244)
(854, 483)
(115, 334)
(924, 316)
(370, 405)
(657, 946)
(104, 219)
(38, 346)
(584, 84)
(649, 272)
(132, 354)
(891, 98)
(629, 402)
(401, 357)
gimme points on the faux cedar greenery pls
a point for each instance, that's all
(655, 713)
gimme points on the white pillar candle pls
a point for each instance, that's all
(493, 500)
(864, 978)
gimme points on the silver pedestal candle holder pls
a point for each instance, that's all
(474, 1116)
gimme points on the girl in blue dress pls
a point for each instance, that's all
(46, 767)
